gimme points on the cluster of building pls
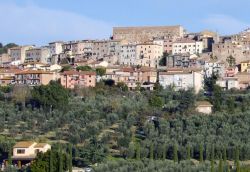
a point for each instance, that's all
(136, 56)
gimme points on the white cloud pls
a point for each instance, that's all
(225, 24)
(30, 24)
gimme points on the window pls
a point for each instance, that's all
(20, 151)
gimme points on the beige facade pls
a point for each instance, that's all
(204, 107)
(100, 49)
(149, 54)
(143, 34)
(133, 77)
(4, 58)
(38, 55)
(35, 77)
(19, 53)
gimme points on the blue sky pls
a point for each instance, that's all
(41, 21)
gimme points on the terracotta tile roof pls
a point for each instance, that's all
(7, 78)
(23, 144)
(40, 145)
(73, 72)
(32, 72)
(10, 71)
(246, 61)
(203, 103)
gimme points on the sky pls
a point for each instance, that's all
(42, 21)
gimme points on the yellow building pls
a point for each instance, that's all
(244, 65)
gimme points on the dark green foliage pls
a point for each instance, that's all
(66, 68)
(175, 153)
(201, 152)
(70, 157)
(50, 162)
(100, 71)
(156, 101)
(84, 68)
(188, 152)
(52, 96)
(138, 152)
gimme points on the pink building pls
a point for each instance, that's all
(70, 79)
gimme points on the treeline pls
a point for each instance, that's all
(4, 48)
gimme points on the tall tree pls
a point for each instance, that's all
(60, 168)
(220, 165)
(224, 154)
(188, 152)
(151, 156)
(201, 152)
(175, 153)
(51, 161)
(9, 156)
(138, 151)
(70, 158)
(164, 152)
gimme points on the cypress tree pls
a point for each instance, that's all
(224, 154)
(212, 153)
(238, 166)
(188, 152)
(212, 159)
(220, 165)
(9, 157)
(175, 153)
(51, 161)
(60, 159)
(201, 153)
(151, 154)
(164, 152)
(70, 158)
(138, 152)
(207, 153)
(212, 166)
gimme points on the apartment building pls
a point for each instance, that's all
(166, 43)
(182, 79)
(187, 46)
(146, 33)
(133, 77)
(216, 67)
(148, 54)
(100, 49)
(128, 55)
(72, 79)
(35, 77)
(19, 53)
(7, 76)
(56, 47)
(4, 58)
(38, 55)
(228, 83)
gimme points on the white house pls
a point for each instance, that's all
(187, 46)
(27, 150)
(182, 79)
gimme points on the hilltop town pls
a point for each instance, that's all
(155, 98)
(135, 56)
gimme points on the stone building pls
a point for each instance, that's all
(146, 33)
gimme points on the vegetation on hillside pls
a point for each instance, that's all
(128, 131)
